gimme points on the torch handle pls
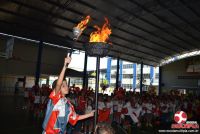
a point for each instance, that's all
(70, 55)
(71, 51)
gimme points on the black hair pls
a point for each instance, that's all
(104, 128)
(55, 82)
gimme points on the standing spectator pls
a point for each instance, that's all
(25, 98)
(88, 122)
(17, 87)
(109, 104)
(37, 100)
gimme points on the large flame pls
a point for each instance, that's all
(83, 24)
(102, 34)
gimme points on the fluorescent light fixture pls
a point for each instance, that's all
(178, 57)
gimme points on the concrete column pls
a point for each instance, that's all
(134, 75)
(38, 65)
(117, 74)
(141, 77)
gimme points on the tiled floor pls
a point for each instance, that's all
(14, 119)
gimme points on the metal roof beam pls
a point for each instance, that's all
(138, 27)
(29, 28)
(157, 50)
(165, 21)
(65, 28)
(182, 19)
(146, 21)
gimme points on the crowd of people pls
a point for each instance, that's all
(71, 109)
(126, 108)
(36, 100)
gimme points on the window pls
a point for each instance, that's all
(127, 86)
(127, 76)
(112, 85)
(127, 66)
(157, 76)
(146, 76)
(138, 76)
(113, 75)
(114, 67)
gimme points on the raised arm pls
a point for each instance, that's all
(62, 74)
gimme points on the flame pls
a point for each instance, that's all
(83, 24)
(102, 34)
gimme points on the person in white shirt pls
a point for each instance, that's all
(43, 99)
(37, 101)
(88, 122)
(119, 109)
(109, 104)
(171, 110)
(185, 105)
(101, 104)
(165, 111)
(148, 115)
(115, 108)
(26, 95)
(164, 107)
(134, 111)
(172, 106)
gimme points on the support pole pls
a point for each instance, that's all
(141, 77)
(24, 82)
(69, 80)
(85, 86)
(117, 74)
(38, 66)
(151, 75)
(120, 72)
(160, 81)
(134, 76)
(97, 90)
(108, 70)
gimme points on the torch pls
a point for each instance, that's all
(99, 47)
(77, 31)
